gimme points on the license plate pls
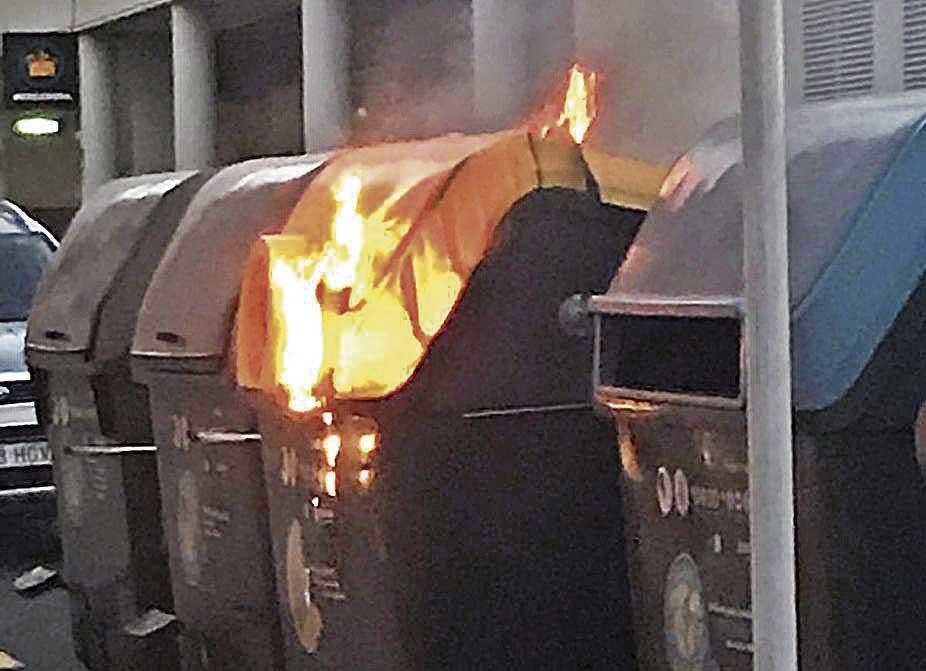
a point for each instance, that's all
(20, 455)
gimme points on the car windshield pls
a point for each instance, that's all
(23, 258)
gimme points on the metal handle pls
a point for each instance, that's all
(110, 450)
(226, 437)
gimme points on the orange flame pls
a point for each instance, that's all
(372, 343)
(579, 108)
(346, 300)
(298, 317)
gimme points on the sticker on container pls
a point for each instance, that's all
(688, 646)
(664, 491)
(682, 496)
(305, 614)
(188, 528)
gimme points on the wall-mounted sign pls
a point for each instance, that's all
(40, 69)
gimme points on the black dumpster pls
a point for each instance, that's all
(669, 370)
(99, 429)
(215, 509)
(470, 519)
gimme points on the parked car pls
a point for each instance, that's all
(26, 248)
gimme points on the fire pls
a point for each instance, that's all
(326, 345)
(579, 109)
(343, 252)
(346, 300)
(298, 321)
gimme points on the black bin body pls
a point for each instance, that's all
(209, 459)
(487, 533)
(97, 418)
(670, 371)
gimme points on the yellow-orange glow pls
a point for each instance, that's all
(365, 477)
(331, 483)
(331, 445)
(367, 443)
(328, 418)
(342, 253)
(374, 257)
(298, 318)
(579, 109)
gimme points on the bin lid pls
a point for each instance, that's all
(856, 185)
(111, 247)
(188, 311)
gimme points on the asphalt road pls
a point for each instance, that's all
(34, 630)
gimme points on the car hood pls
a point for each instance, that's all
(12, 347)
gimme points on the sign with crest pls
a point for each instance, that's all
(40, 69)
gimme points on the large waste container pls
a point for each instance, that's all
(669, 369)
(469, 517)
(98, 424)
(215, 509)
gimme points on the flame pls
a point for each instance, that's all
(579, 109)
(345, 301)
(298, 316)
(342, 254)
(371, 343)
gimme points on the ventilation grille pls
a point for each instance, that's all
(914, 44)
(839, 48)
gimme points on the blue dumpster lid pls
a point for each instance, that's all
(105, 251)
(857, 188)
(188, 313)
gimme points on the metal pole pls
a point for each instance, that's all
(768, 370)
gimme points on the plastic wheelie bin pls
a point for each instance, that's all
(215, 509)
(669, 370)
(97, 419)
(467, 515)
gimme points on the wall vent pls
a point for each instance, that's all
(914, 44)
(838, 47)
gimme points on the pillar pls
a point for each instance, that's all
(97, 112)
(195, 96)
(326, 104)
(501, 62)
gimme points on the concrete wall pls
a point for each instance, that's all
(144, 103)
(260, 88)
(33, 15)
(94, 12)
(671, 70)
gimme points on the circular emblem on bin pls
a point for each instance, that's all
(664, 491)
(305, 614)
(188, 531)
(685, 618)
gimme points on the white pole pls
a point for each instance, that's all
(768, 370)
(97, 113)
(325, 73)
(195, 95)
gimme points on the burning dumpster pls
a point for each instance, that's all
(97, 419)
(668, 368)
(215, 510)
(440, 494)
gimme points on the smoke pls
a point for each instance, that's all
(411, 67)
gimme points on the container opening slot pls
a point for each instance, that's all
(682, 355)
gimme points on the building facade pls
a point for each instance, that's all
(192, 83)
